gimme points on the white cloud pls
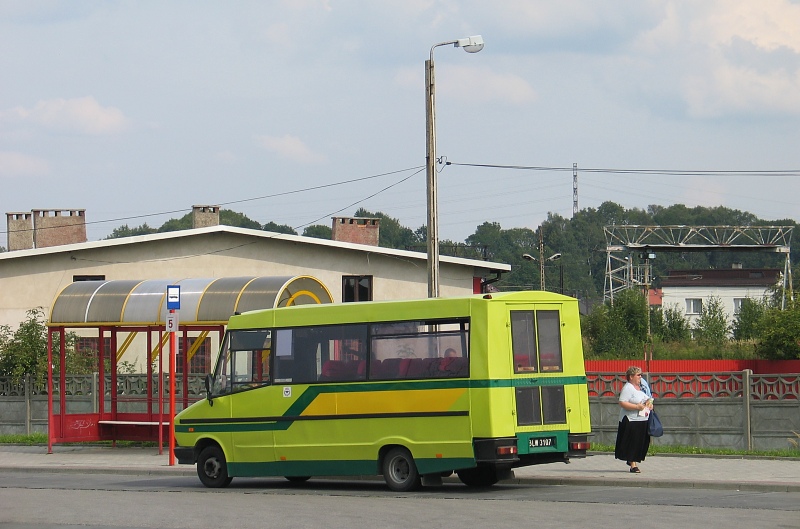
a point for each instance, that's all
(83, 115)
(14, 164)
(728, 89)
(291, 147)
(769, 24)
(729, 58)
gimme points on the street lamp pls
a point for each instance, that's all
(470, 45)
(541, 260)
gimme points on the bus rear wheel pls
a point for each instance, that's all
(478, 477)
(212, 469)
(297, 479)
(400, 471)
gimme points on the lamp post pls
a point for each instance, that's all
(541, 260)
(470, 45)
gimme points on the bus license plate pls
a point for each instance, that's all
(538, 442)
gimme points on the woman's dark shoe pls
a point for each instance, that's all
(635, 470)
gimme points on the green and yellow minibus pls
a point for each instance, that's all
(412, 390)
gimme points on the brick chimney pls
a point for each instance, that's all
(204, 216)
(359, 230)
(20, 231)
(55, 227)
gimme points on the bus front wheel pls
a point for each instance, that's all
(212, 469)
(478, 477)
(400, 471)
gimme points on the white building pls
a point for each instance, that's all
(689, 290)
(33, 277)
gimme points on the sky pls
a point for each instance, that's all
(296, 111)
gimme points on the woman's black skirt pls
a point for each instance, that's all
(633, 440)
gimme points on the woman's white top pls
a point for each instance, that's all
(629, 393)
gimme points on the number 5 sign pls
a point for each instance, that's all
(172, 322)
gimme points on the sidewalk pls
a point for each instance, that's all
(730, 473)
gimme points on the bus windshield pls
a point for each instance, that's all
(243, 362)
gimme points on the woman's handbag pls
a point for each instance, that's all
(654, 425)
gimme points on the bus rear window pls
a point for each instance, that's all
(536, 341)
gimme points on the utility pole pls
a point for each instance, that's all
(541, 260)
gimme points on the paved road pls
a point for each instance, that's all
(701, 472)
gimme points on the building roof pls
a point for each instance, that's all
(731, 277)
(249, 232)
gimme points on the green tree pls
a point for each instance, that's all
(711, 328)
(24, 351)
(183, 223)
(618, 330)
(392, 234)
(675, 326)
(318, 231)
(279, 228)
(779, 336)
(125, 231)
(746, 323)
(228, 217)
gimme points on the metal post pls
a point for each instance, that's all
(50, 420)
(28, 393)
(431, 184)
(541, 260)
(470, 45)
(747, 394)
(172, 369)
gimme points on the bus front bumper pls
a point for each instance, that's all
(185, 455)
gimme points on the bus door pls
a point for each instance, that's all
(246, 375)
(538, 367)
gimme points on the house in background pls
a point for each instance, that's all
(48, 251)
(688, 290)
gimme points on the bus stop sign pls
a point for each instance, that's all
(173, 297)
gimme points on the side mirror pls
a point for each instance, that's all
(209, 383)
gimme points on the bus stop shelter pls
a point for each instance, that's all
(127, 319)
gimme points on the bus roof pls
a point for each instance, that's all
(377, 311)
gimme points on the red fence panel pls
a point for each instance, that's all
(694, 366)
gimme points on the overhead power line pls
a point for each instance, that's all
(662, 172)
(417, 169)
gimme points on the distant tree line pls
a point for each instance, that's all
(580, 240)
(617, 331)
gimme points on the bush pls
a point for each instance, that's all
(24, 351)
(711, 328)
(779, 336)
(747, 321)
(618, 330)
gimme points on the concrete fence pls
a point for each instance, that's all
(736, 410)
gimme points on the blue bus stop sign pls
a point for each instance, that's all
(173, 297)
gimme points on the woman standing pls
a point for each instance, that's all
(633, 439)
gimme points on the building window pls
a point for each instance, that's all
(356, 288)
(75, 279)
(737, 305)
(694, 306)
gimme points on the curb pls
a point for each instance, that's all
(189, 471)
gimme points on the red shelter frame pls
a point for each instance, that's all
(108, 423)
